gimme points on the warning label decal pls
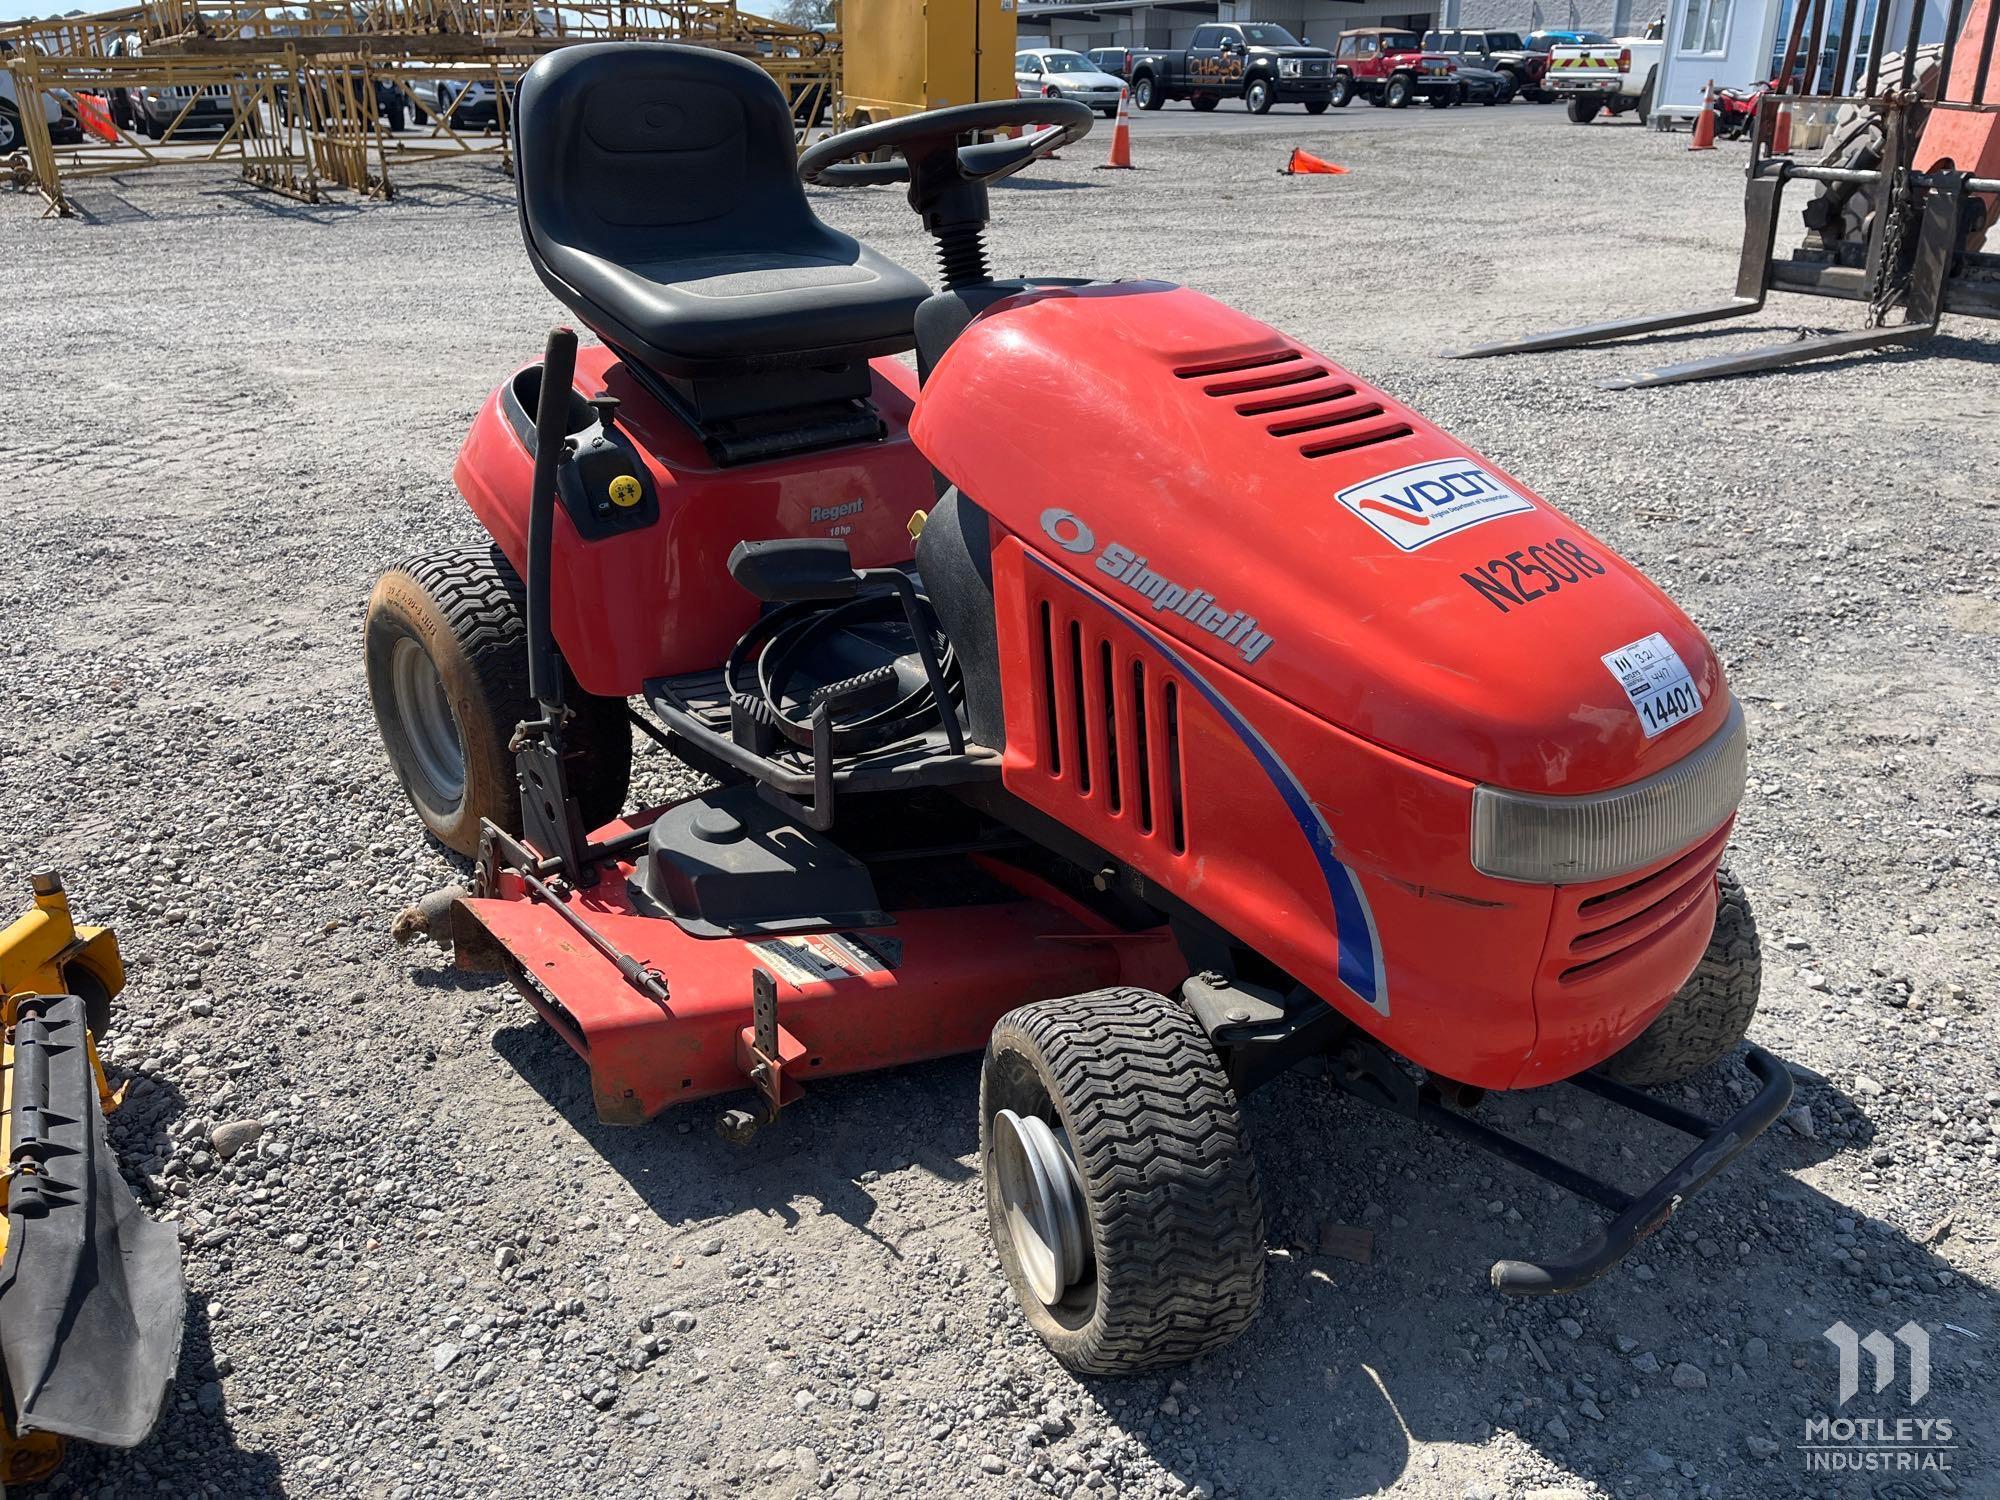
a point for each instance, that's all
(828, 957)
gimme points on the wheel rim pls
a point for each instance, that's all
(427, 718)
(9, 136)
(1041, 1198)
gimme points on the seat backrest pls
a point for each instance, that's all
(634, 150)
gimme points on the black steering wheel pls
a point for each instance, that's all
(933, 160)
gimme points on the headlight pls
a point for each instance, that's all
(1289, 67)
(1571, 840)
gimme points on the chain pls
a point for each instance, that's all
(1894, 280)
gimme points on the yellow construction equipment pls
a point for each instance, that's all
(91, 1296)
(314, 95)
(903, 56)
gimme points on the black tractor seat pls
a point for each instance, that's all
(660, 201)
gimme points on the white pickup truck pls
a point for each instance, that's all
(1595, 78)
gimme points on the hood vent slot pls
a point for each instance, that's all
(1291, 400)
(1334, 415)
(1241, 362)
(1112, 727)
(1382, 429)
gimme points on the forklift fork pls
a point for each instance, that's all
(1753, 285)
(1925, 278)
(1923, 306)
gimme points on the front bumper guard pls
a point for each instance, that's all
(1367, 1072)
(1636, 1216)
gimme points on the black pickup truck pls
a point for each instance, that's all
(1257, 62)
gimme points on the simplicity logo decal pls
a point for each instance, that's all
(1875, 1444)
(1197, 606)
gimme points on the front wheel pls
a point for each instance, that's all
(1397, 94)
(1713, 1010)
(1583, 108)
(1121, 1194)
(1343, 90)
(1257, 97)
(1317, 106)
(447, 664)
(1146, 94)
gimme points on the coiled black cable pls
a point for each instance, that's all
(765, 658)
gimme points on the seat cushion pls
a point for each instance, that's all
(661, 201)
(768, 305)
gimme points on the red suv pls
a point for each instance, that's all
(1387, 66)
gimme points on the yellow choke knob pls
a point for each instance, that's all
(917, 519)
(626, 492)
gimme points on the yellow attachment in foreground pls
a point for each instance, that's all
(44, 952)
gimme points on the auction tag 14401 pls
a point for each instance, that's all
(1657, 682)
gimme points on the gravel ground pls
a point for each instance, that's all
(433, 1273)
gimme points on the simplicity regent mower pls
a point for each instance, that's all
(1304, 731)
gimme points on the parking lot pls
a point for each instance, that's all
(437, 1274)
(1229, 119)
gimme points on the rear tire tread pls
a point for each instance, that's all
(484, 605)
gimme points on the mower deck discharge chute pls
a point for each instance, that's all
(1320, 736)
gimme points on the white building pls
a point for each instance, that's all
(1739, 42)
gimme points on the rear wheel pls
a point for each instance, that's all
(1397, 94)
(11, 138)
(1583, 108)
(447, 658)
(1146, 94)
(1257, 97)
(1713, 1010)
(1120, 1190)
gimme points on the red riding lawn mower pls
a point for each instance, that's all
(1321, 737)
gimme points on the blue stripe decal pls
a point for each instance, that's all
(1360, 950)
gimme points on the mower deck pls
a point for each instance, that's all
(927, 982)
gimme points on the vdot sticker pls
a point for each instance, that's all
(1654, 678)
(1413, 507)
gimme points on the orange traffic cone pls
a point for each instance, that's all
(1704, 123)
(1121, 138)
(1781, 131)
(1304, 163)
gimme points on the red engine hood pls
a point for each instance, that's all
(1264, 508)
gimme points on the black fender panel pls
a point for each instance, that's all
(92, 1302)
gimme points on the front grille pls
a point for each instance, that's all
(1111, 727)
(1331, 414)
(1613, 928)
